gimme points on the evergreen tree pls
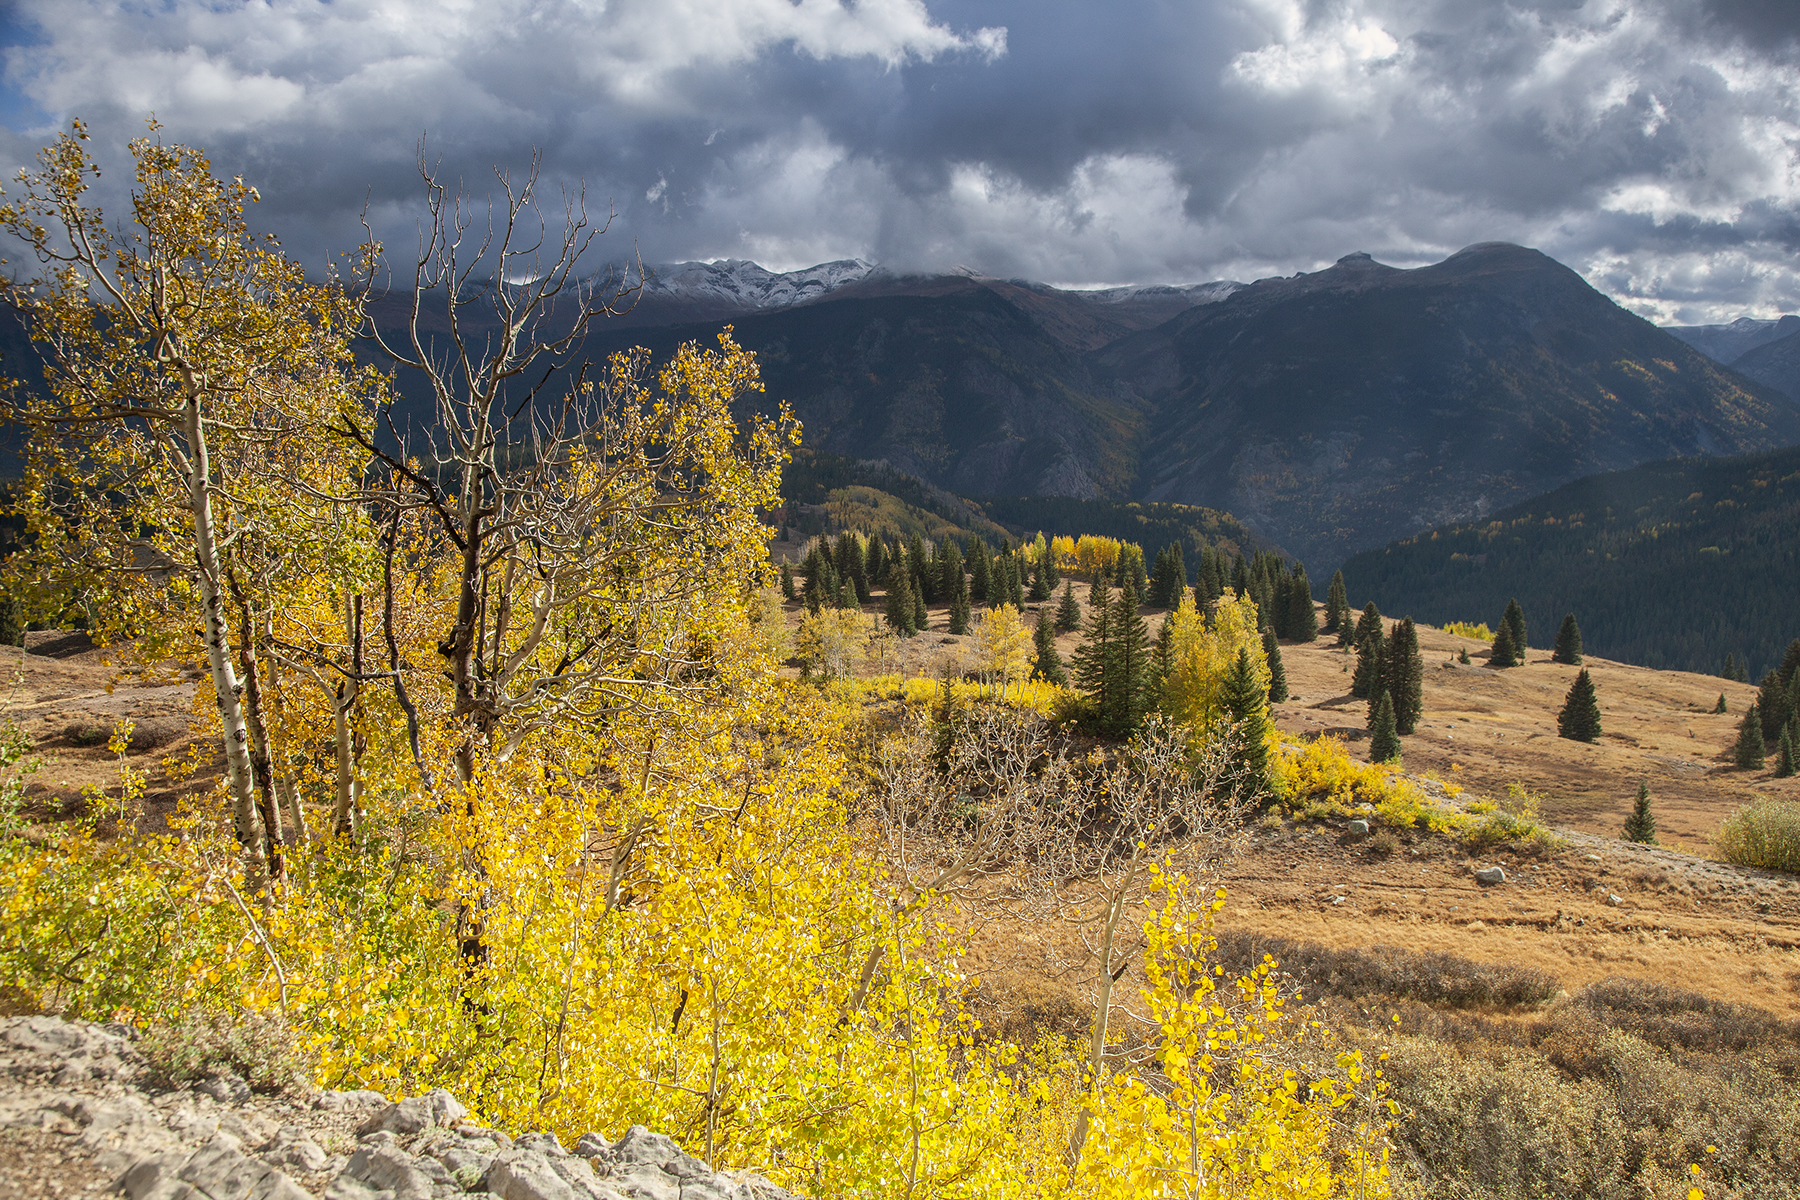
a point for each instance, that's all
(1772, 703)
(1099, 592)
(1503, 654)
(1568, 643)
(1384, 740)
(1163, 661)
(1240, 576)
(899, 605)
(1790, 663)
(849, 561)
(1128, 689)
(1462, 656)
(1278, 688)
(1514, 618)
(787, 579)
(1047, 664)
(1784, 753)
(875, 562)
(1579, 719)
(1040, 582)
(1244, 700)
(1730, 669)
(919, 567)
(1212, 580)
(1337, 604)
(1015, 577)
(1068, 613)
(1303, 622)
(846, 594)
(1371, 639)
(1720, 706)
(921, 620)
(1000, 580)
(1281, 598)
(1091, 653)
(1640, 826)
(1749, 752)
(1403, 674)
(951, 580)
(980, 562)
(1052, 576)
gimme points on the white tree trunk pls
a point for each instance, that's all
(218, 652)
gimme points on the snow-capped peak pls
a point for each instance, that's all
(741, 283)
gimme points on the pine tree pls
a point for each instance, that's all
(1068, 613)
(1568, 643)
(919, 567)
(1278, 688)
(1244, 700)
(1384, 740)
(1047, 664)
(1128, 689)
(1720, 706)
(1579, 719)
(1640, 826)
(1040, 582)
(1784, 753)
(1100, 592)
(921, 620)
(980, 561)
(848, 557)
(1091, 654)
(787, 580)
(875, 562)
(1015, 577)
(1749, 751)
(1366, 682)
(1462, 656)
(1337, 604)
(1790, 663)
(1772, 703)
(1303, 622)
(959, 613)
(1403, 672)
(1503, 654)
(1730, 669)
(1514, 618)
(846, 594)
(899, 606)
(1163, 661)
(1240, 576)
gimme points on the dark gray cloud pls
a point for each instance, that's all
(1654, 145)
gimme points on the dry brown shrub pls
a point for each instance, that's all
(1387, 971)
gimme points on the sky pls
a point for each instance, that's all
(1652, 145)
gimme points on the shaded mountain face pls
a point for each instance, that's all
(1775, 364)
(1728, 343)
(1342, 409)
(973, 385)
(1671, 565)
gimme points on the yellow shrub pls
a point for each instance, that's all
(1464, 629)
(1319, 779)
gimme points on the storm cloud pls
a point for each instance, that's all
(1653, 146)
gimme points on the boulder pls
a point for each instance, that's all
(1489, 876)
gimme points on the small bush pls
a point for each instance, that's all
(257, 1048)
(1431, 978)
(1464, 629)
(1765, 834)
(1383, 843)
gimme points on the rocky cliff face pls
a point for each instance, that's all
(78, 1115)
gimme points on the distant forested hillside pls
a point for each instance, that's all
(1151, 526)
(1671, 565)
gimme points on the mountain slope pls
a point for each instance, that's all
(972, 387)
(1671, 565)
(1775, 364)
(1339, 410)
(1728, 343)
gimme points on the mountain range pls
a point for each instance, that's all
(1331, 411)
(1767, 351)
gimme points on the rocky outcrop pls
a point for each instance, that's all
(77, 1115)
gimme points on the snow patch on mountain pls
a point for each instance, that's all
(740, 283)
(1193, 293)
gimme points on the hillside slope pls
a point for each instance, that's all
(1339, 410)
(1774, 364)
(1670, 565)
